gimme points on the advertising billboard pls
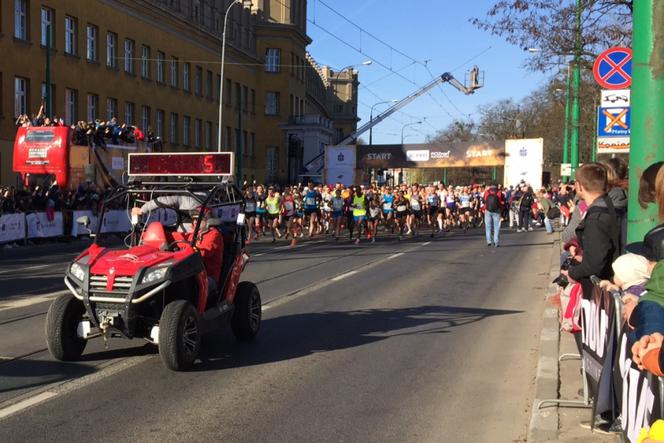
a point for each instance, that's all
(524, 159)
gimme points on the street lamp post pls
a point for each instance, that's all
(246, 3)
(336, 76)
(371, 117)
(405, 126)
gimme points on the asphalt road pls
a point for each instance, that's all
(424, 340)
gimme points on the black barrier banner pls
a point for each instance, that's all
(599, 343)
(640, 401)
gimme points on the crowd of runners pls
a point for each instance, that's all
(364, 212)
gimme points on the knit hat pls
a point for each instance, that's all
(631, 270)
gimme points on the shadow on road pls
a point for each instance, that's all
(32, 373)
(299, 335)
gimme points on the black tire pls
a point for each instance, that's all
(179, 335)
(61, 326)
(246, 320)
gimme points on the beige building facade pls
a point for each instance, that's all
(156, 64)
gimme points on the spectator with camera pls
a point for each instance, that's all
(598, 233)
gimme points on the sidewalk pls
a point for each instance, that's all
(559, 380)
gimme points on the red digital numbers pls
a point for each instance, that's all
(181, 164)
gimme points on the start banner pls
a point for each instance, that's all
(12, 227)
(40, 225)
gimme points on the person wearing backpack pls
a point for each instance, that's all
(493, 205)
(525, 206)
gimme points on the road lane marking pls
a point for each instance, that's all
(30, 300)
(342, 276)
(285, 298)
(24, 404)
(27, 268)
(426, 243)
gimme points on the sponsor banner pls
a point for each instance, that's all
(598, 337)
(453, 155)
(12, 227)
(613, 145)
(77, 229)
(340, 164)
(638, 392)
(39, 226)
(566, 169)
(524, 160)
(115, 221)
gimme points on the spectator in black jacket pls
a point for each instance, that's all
(599, 232)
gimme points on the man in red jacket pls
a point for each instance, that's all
(210, 244)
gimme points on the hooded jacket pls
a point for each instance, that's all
(599, 236)
(648, 316)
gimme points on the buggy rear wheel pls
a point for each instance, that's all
(246, 320)
(179, 335)
(62, 319)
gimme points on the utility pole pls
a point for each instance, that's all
(647, 140)
(576, 85)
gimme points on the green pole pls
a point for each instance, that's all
(445, 176)
(47, 98)
(576, 85)
(494, 173)
(566, 132)
(647, 140)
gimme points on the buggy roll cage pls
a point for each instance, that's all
(227, 194)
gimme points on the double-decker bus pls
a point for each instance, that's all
(48, 154)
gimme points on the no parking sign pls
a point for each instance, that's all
(613, 68)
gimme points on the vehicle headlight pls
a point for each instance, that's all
(153, 275)
(77, 271)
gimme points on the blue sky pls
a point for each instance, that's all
(433, 30)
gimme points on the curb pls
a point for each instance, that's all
(544, 422)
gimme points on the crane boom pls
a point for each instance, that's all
(444, 78)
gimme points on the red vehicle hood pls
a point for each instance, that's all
(126, 262)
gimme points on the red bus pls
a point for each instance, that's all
(46, 154)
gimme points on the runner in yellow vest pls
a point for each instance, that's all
(359, 212)
(273, 206)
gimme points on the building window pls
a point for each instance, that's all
(186, 74)
(21, 19)
(111, 108)
(198, 81)
(145, 118)
(245, 99)
(271, 162)
(71, 106)
(252, 143)
(186, 128)
(70, 35)
(228, 139)
(21, 96)
(218, 88)
(145, 62)
(159, 126)
(245, 142)
(272, 59)
(238, 95)
(174, 72)
(173, 128)
(92, 105)
(197, 133)
(227, 91)
(129, 113)
(208, 86)
(208, 135)
(46, 26)
(160, 66)
(129, 56)
(111, 50)
(253, 101)
(272, 103)
(91, 32)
